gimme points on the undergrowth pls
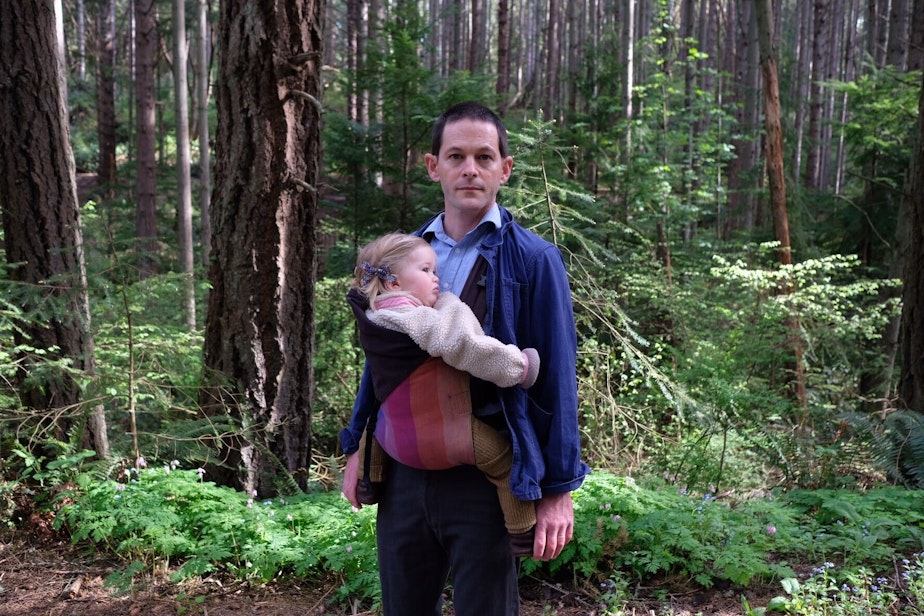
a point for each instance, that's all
(627, 533)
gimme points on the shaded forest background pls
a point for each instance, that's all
(746, 268)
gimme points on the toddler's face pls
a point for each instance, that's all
(417, 275)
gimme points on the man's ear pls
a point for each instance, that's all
(508, 169)
(431, 167)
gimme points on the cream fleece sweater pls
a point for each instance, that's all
(450, 330)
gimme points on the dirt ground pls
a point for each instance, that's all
(52, 577)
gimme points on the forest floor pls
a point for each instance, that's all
(44, 574)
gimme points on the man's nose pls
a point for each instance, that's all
(469, 168)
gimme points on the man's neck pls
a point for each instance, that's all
(458, 224)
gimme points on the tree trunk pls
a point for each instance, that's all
(81, 40)
(184, 177)
(105, 95)
(911, 385)
(146, 174)
(503, 56)
(744, 64)
(259, 326)
(41, 221)
(353, 61)
(820, 41)
(776, 179)
(553, 61)
(476, 48)
(899, 20)
(916, 37)
(205, 159)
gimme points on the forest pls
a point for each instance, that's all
(737, 187)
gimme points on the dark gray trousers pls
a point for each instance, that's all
(434, 526)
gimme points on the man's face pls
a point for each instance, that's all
(469, 167)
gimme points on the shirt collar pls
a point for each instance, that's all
(491, 217)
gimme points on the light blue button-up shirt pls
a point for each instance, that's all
(455, 260)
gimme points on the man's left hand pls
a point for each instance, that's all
(554, 525)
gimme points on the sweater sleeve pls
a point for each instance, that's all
(451, 331)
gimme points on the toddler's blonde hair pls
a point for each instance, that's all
(379, 259)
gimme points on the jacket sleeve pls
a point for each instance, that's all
(451, 331)
(534, 308)
(363, 407)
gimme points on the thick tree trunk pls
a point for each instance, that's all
(41, 221)
(259, 328)
(911, 385)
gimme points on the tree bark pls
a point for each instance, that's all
(911, 222)
(41, 221)
(259, 326)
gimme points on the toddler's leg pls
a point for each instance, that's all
(493, 457)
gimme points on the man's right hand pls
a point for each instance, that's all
(351, 479)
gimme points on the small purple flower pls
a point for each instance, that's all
(771, 529)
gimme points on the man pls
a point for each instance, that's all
(437, 525)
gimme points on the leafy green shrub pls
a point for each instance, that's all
(855, 528)
(168, 512)
(644, 531)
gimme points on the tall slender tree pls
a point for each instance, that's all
(184, 177)
(776, 177)
(146, 174)
(203, 39)
(105, 93)
(503, 55)
(259, 326)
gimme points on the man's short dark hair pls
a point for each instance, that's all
(468, 110)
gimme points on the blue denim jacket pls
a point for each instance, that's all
(529, 305)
